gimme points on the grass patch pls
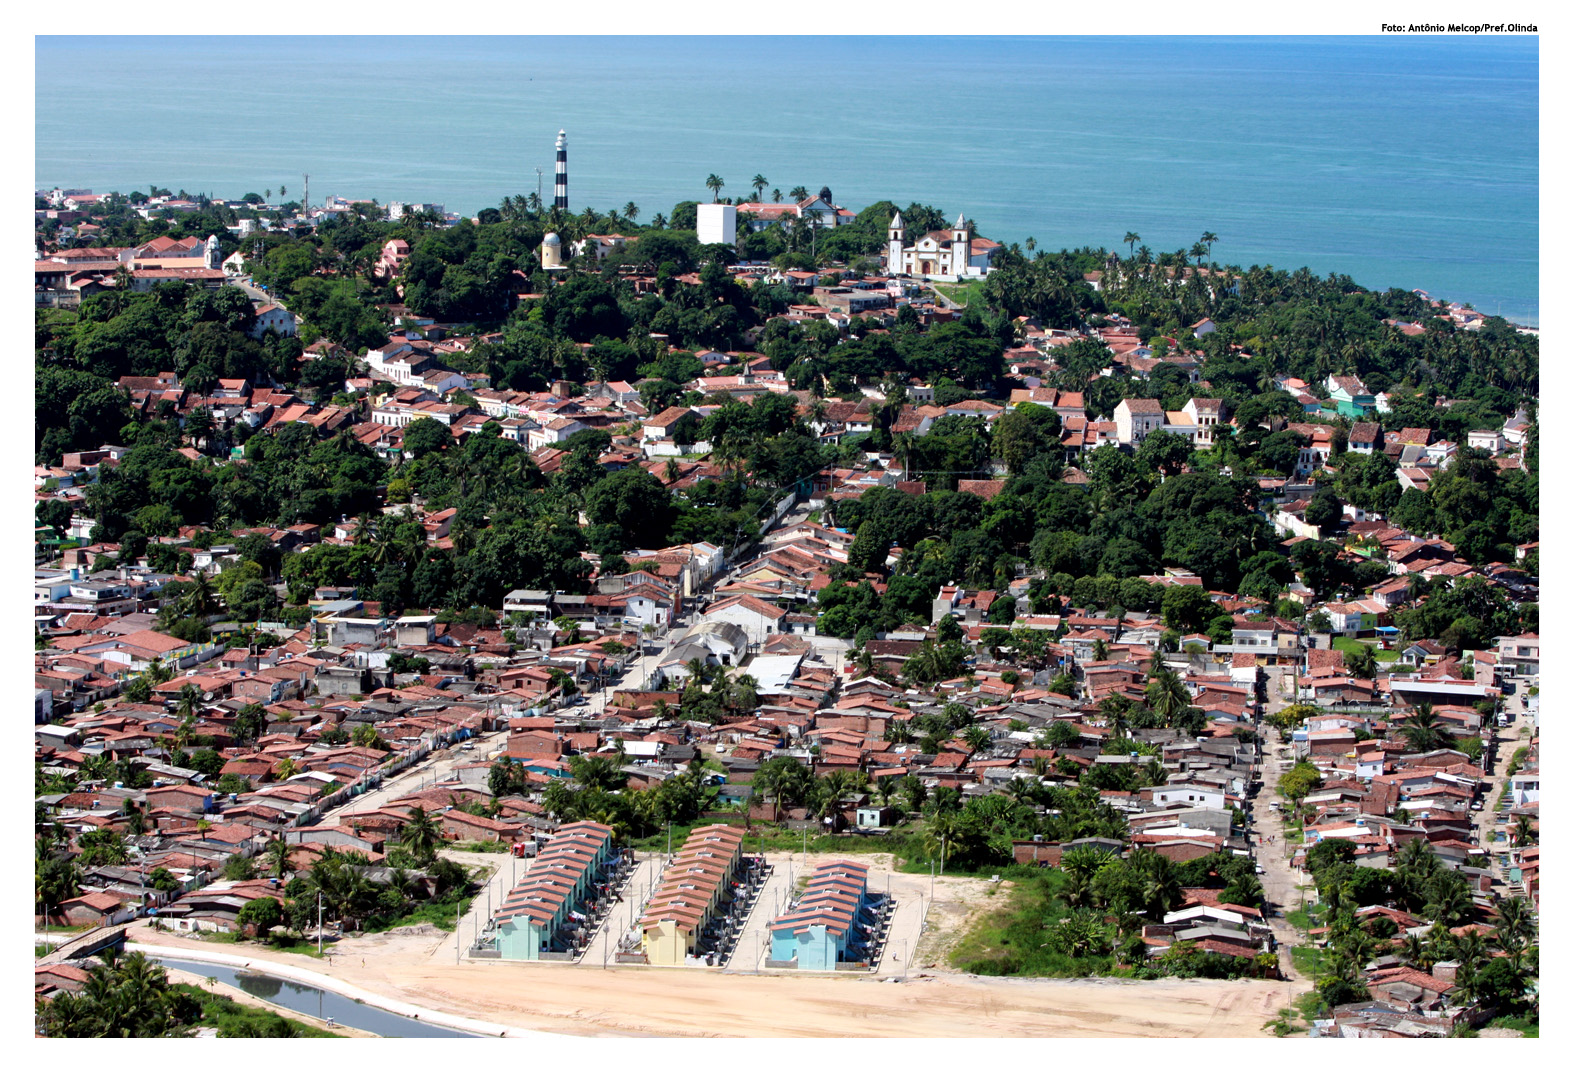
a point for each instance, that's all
(493, 846)
(1308, 960)
(279, 940)
(1381, 655)
(441, 914)
(1531, 1029)
(237, 1020)
(963, 294)
(1310, 1005)
(1009, 940)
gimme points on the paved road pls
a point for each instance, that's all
(434, 768)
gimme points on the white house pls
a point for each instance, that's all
(273, 318)
(757, 618)
(1135, 419)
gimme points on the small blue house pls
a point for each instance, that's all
(831, 923)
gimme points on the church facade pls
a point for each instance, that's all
(942, 255)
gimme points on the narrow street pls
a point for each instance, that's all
(1280, 882)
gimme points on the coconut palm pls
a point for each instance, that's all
(1080, 866)
(1516, 923)
(782, 779)
(1167, 696)
(1208, 239)
(759, 182)
(714, 184)
(798, 193)
(1414, 951)
(1525, 833)
(976, 737)
(54, 880)
(1449, 905)
(1131, 240)
(1422, 732)
(421, 835)
(278, 856)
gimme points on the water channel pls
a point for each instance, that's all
(303, 998)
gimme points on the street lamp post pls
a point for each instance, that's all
(319, 923)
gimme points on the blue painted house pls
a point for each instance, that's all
(831, 923)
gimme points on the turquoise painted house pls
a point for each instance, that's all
(546, 902)
(830, 923)
(1350, 397)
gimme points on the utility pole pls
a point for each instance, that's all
(319, 923)
(456, 933)
(306, 196)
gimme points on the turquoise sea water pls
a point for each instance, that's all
(1409, 162)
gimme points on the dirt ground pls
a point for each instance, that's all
(930, 1001)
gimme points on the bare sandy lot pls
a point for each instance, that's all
(641, 1001)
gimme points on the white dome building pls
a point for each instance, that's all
(551, 251)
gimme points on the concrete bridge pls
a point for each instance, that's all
(87, 944)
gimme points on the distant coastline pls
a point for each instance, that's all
(1285, 147)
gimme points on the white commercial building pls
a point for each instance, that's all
(718, 223)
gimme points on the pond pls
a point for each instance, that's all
(303, 998)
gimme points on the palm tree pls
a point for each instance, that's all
(1414, 951)
(1525, 831)
(1422, 731)
(1080, 865)
(1168, 697)
(776, 195)
(699, 670)
(1516, 923)
(714, 183)
(421, 835)
(783, 779)
(659, 222)
(278, 855)
(976, 737)
(631, 212)
(759, 182)
(1131, 240)
(1450, 905)
(798, 193)
(1208, 239)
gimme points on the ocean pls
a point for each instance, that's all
(1401, 161)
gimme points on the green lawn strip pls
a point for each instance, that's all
(1351, 644)
(235, 1019)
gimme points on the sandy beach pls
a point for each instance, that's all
(930, 1001)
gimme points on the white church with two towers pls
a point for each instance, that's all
(941, 255)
